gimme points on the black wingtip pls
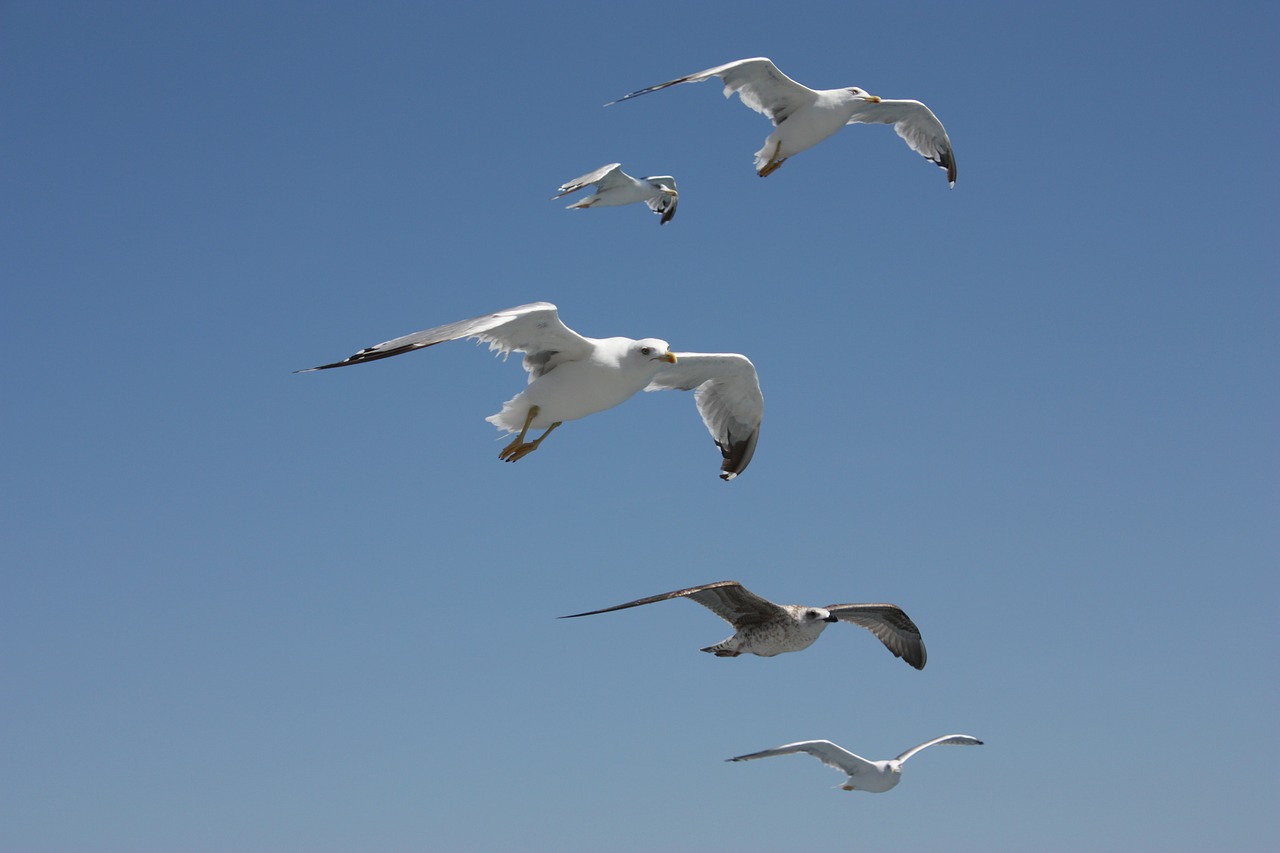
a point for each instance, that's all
(737, 455)
(948, 161)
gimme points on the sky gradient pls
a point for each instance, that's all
(248, 610)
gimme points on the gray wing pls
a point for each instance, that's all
(961, 740)
(607, 176)
(893, 627)
(727, 392)
(823, 750)
(534, 329)
(757, 81)
(918, 127)
(727, 599)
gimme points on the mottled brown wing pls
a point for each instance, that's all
(893, 627)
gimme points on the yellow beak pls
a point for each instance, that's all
(669, 357)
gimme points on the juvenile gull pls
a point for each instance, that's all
(864, 775)
(767, 629)
(615, 187)
(571, 376)
(803, 117)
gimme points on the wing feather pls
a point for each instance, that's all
(758, 82)
(665, 203)
(727, 392)
(607, 176)
(823, 750)
(534, 329)
(959, 740)
(918, 127)
(729, 600)
(890, 624)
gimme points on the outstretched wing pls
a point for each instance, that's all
(918, 127)
(887, 621)
(960, 740)
(534, 329)
(727, 599)
(727, 392)
(607, 176)
(757, 81)
(823, 750)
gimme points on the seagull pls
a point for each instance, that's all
(767, 629)
(803, 117)
(873, 776)
(615, 187)
(571, 376)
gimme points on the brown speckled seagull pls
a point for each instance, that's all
(767, 629)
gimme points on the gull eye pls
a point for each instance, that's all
(646, 350)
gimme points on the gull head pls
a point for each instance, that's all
(652, 349)
(818, 614)
(863, 95)
(812, 619)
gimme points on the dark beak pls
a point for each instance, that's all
(831, 619)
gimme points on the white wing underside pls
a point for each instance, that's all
(918, 127)
(823, 750)
(758, 82)
(606, 177)
(962, 740)
(534, 329)
(727, 392)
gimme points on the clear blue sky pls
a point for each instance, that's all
(248, 610)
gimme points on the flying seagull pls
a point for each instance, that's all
(767, 629)
(803, 117)
(873, 776)
(571, 376)
(615, 187)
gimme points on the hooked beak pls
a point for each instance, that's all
(831, 618)
(671, 192)
(873, 99)
(668, 357)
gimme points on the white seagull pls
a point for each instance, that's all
(864, 775)
(615, 187)
(571, 376)
(803, 117)
(767, 629)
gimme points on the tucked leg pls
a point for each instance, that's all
(519, 448)
(774, 162)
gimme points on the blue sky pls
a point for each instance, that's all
(243, 609)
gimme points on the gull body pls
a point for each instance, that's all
(863, 774)
(615, 187)
(803, 117)
(572, 376)
(615, 370)
(767, 629)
